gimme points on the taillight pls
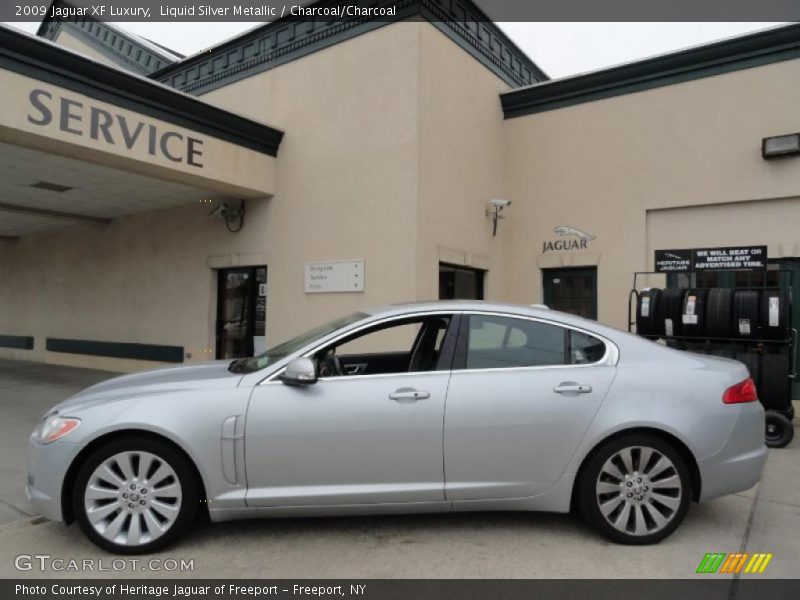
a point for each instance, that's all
(744, 391)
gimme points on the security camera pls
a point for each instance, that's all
(499, 203)
(220, 210)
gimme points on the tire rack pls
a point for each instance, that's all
(709, 345)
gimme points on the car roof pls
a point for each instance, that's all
(490, 306)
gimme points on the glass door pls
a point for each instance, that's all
(241, 311)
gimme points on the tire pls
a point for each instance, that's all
(693, 313)
(159, 514)
(774, 315)
(669, 308)
(718, 313)
(774, 384)
(655, 515)
(752, 361)
(646, 309)
(746, 322)
(779, 430)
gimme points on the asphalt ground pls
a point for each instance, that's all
(467, 545)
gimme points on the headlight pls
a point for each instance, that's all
(54, 427)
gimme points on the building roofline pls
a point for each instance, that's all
(725, 56)
(289, 38)
(46, 61)
(122, 47)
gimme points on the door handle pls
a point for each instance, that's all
(405, 395)
(570, 387)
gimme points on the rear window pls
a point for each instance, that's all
(504, 342)
(584, 348)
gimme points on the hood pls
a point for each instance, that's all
(160, 381)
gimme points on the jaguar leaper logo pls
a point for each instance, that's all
(579, 242)
(721, 563)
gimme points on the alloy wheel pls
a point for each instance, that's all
(638, 490)
(132, 498)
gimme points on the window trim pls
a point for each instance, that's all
(609, 358)
(455, 317)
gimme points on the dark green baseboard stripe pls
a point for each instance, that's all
(117, 349)
(21, 342)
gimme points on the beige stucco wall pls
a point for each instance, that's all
(347, 182)
(601, 166)
(460, 164)
(395, 142)
(346, 189)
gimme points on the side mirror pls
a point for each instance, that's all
(300, 371)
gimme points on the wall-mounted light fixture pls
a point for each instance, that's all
(780, 145)
(496, 206)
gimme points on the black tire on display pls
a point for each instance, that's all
(693, 312)
(669, 308)
(779, 430)
(752, 361)
(646, 310)
(718, 313)
(652, 506)
(746, 322)
(135, 495)
(774, 315)
(774, 383)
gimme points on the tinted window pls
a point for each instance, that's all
(498, 342)
(584, 348)
(460, 283)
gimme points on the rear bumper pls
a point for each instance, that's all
(738, 465)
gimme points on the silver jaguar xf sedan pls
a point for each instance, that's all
(410, 408)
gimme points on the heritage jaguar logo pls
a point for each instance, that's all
(579, 242)
(733, 564)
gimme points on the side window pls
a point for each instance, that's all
(503, 342)
(585, 349)
(402, 346)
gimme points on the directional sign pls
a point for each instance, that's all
(334, 276)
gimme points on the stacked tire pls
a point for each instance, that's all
(717, 313)
(646, 312)
(668, 311)
(746, 314)
(707, 320)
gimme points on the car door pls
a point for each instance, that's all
(360, 437)
(521, 397)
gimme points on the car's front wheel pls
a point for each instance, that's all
(635, 489)
(134, 496)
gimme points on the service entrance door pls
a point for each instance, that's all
(571, 290)
(241, 311)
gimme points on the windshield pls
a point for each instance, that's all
(281, 351)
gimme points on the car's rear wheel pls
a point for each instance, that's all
(635, 489)
(134, 496)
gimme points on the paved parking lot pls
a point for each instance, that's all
(495, 545)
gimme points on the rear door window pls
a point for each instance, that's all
(505, 342)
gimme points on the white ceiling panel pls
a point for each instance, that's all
(96, 191)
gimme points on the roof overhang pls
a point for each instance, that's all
(60, 102)
(726, 56)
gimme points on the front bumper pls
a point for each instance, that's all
(47, 468)
(738, 465)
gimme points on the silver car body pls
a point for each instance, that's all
(494, 438)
